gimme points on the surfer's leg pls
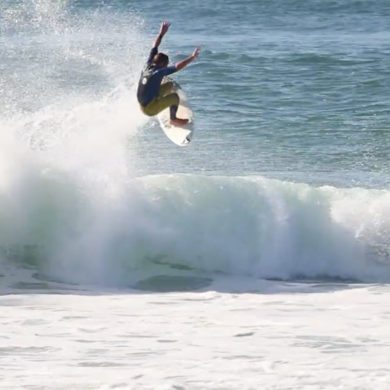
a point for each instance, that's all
(173, 111)
(165, 88)
(161, 103)
(174, 119)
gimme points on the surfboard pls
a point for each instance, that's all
(179, 135)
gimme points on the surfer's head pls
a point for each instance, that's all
(160, 60)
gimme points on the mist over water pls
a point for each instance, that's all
(91, 192)
(68, 111)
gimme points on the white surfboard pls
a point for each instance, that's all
(180, 135)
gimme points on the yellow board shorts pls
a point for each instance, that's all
(163, 100)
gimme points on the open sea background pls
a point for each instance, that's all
(282, 197)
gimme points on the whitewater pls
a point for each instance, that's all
(258, 257)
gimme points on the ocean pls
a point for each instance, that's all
(256, 257)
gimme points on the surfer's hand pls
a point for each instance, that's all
(163, 30)
(164, 27)
(182, 64)
(196, 52)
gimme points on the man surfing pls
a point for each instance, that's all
(152, 96)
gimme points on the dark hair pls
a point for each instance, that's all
(161, 59)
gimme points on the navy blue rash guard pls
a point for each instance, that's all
(151, 78)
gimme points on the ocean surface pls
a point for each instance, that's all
(256, 257)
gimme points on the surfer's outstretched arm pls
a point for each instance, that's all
(163, 30)
(182, 64)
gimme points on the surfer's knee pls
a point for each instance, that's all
(148, 110)
(166, 88)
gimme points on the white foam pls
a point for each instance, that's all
(278, 336)
(113, 230)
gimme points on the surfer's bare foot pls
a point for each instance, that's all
(179, 122)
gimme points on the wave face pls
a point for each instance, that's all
(171, 224)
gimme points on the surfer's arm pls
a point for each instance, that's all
(163, 30)
(182, 64)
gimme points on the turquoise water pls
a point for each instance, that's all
(287, 175)
(286, 89)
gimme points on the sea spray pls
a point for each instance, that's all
(68, 111)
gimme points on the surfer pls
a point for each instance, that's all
(152, 96)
